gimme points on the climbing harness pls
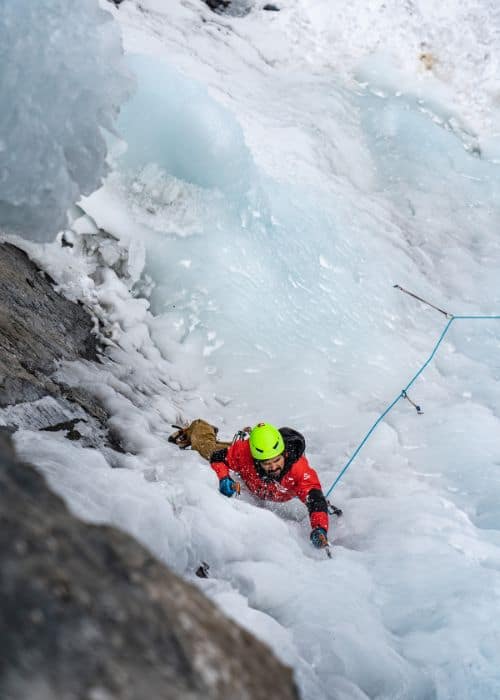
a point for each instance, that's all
(404, 392)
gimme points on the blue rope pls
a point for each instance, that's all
(403, 394)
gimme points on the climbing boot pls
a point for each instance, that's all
(181, 437)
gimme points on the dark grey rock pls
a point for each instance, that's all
(38, 327)
(87, 613)
(218, 4)
(69, 427)
(234, 8)
(271, 8)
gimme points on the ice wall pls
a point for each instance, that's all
(174, 123)
(250, 273)
(264, 279)
(61, 82)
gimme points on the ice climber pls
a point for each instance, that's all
(271, 462)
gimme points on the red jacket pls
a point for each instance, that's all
(298, 480)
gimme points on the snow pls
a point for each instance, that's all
(62, 82)
(290, 174)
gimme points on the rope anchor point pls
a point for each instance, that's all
(404, 395)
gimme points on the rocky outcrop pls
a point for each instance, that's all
(89, 614)
(218, 5)
(236, 8)
(38, 329)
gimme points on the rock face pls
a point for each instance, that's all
(218, 4)
(235, 8)
(37, 328)
(88, 614)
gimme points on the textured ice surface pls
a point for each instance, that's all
(177, 125)
(275, 302)
(61, 82)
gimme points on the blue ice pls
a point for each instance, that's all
(61, 80)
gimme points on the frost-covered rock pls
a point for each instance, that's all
(62, 81)
(38, 328)
(218, 4)
(237, 8)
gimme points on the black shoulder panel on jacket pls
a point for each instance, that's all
(316, 502)
(295, 444)
(219, 456)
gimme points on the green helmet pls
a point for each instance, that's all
(266, 442)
